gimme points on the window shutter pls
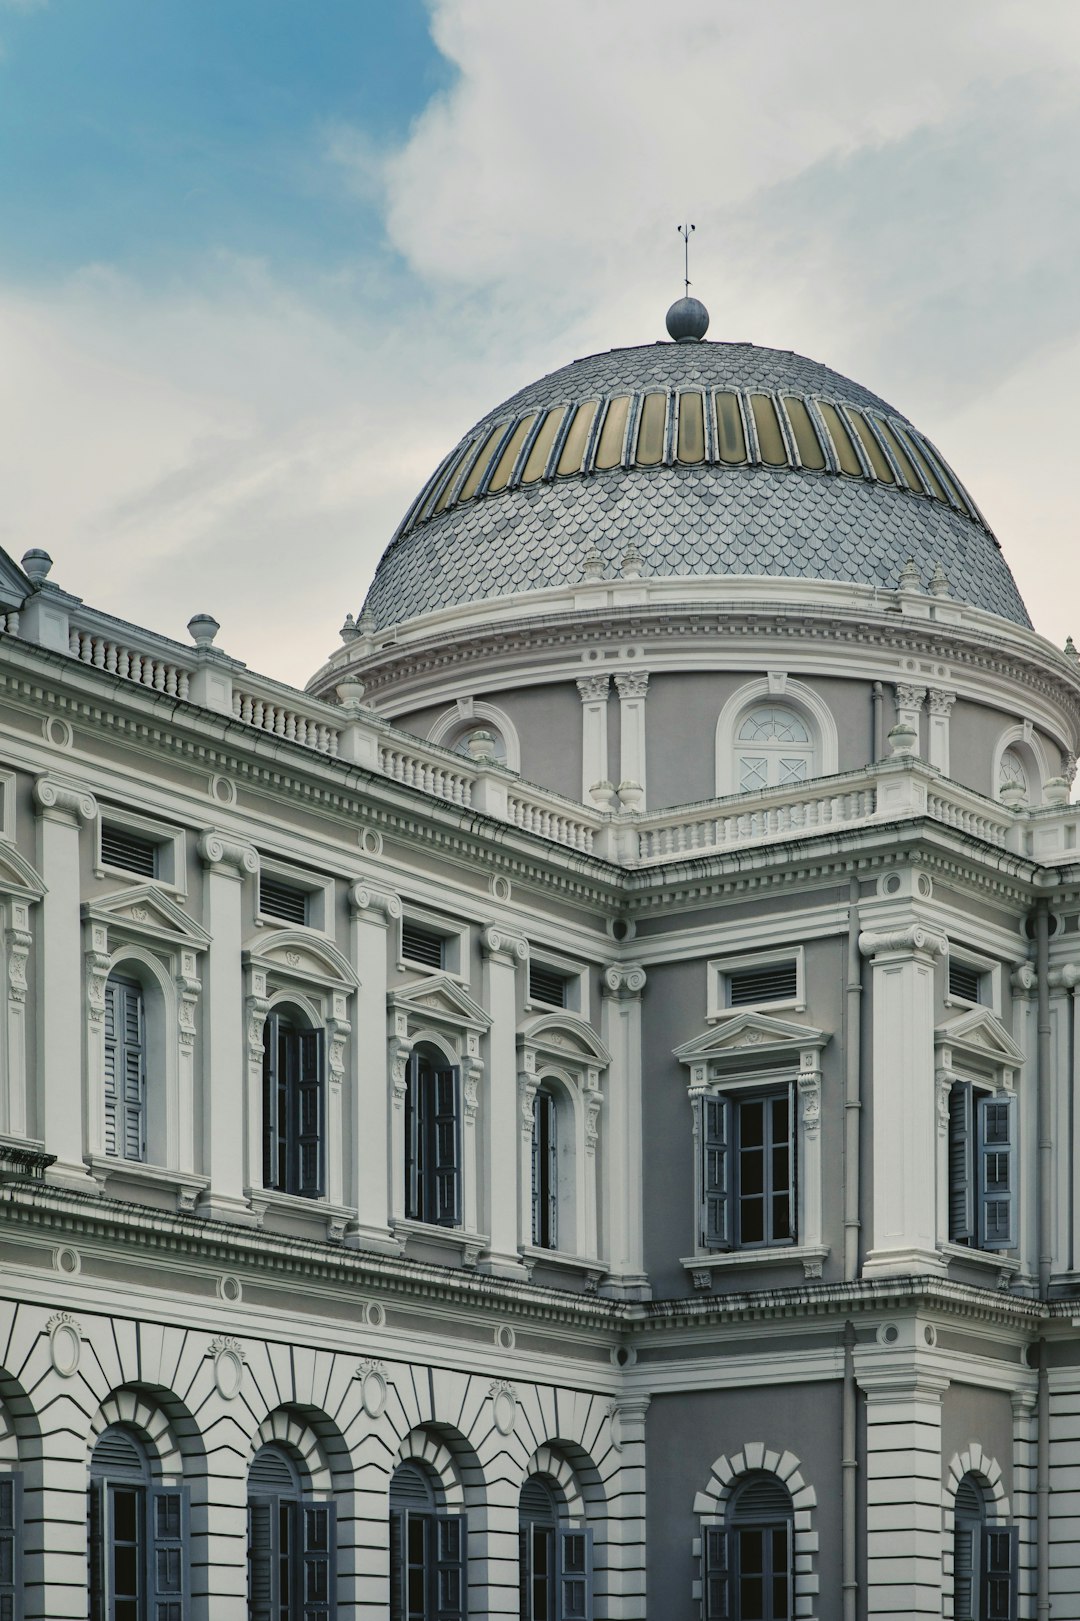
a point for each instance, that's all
(537, 1171)
(524, 1571)
(447, 1143)
(716, 1573)
(792, 1166)
(132, 1076)
(964, 1571)
(310, 1095)
(575, 1575)
(450, 1567)
(552, 1173)
(715, 1121)
(545, 1172)
(397, 1565)
(414, 1117)
(319, 1597)
(996, 1117)
(961, 1192)
(271, 1065)
(96, 1548)
(262, 1566)
(167, 1555)
(10, 1547)
(113, 1062)
(1000, 1579)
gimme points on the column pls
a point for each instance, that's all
(632, 686)
(1024, 1510)
(909, 708)
(14, 1114)
(624, 1555)
(373, 911)
(937, 751)
(62, 809)
(904, 1108)
(594, 742)
(232, 1144)
(503, 952)
(623, 1238)
(903, 1487)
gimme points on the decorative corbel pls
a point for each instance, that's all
(593, 1104)
(943, 1085)
(188, 990)
(19, 940)
(97, 974)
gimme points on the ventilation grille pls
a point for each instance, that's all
(969, 1500)
(122, 848)
(764, 1497)
(964, 981)
(772, 982)
(422, 945)
(271, 1471)
(547, 985)
(536, 1503)
(284, 901)
(411, 1488)
(118, 1453)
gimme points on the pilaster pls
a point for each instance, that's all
(14, 1100)
(374, 911)
(623, 1238)
(626, 1513)
(903, 1483)
(909, 708)
(632, 687)
(503, 954)
(937, 749)
(594, 691)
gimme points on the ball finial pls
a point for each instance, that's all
(687, 320)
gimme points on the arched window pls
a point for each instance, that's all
(291, 1541)
(432, 1140)
(1012, 770)
(480, 740)
(545, 1170)
(427, 1550)
(294, 1106)
(555, 1560)
(125, 1069)
(749, 1559)
(985, 1566)
(138, 1537)
(773, 747)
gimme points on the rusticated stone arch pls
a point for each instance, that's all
(710, 1506)
(287, 1428)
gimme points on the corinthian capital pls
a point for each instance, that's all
(941, 701)
(64, 801)
(222, 853)
(632, 683)
(594, 688)
(909, 696)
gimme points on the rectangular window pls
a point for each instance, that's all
(547, 985)
(294, 1109)
(427, 1566)
(965, 981)
(748, 1170)
(291, 1548)
(575, 1576)
(981, 1167)
(287, 902)
(125, 1070)
(432, 1144)
(545, 1173)
(765, 982)
(120, 847)
(10, 1547)
(422, 945)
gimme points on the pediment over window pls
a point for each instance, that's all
(17, 876)
(977, 1034)
(438, 999)
(297, 953)
(563, 1037)
(144, 911)
(729, 1045)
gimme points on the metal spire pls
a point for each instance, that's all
(684, 231)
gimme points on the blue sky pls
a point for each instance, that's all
(262, 262)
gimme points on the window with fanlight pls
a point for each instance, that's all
(773, 748)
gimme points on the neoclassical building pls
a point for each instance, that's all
(573, 1114)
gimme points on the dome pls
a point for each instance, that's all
(705, 458)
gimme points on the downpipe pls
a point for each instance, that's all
(1045, 1219)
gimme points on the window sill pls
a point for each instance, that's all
(265, 920)
(166, 885)
(335, 1218)
(718, 1015)
(809, 1256)
(1006, 1266)
(406, 966)
(469, 1246)
(534, 1255)
(186, 1184)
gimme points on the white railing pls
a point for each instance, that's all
(534, 814)
(980, 821)
(432, 775)
(143, 668)
(678, 834)
(292, 724)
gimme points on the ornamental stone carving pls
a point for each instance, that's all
(909, 696)
(913, 937)
(229, 1359)
(594, 688)
(504, 1405)
(222, 853)
(809, 1084)
(632, 683)
(624, 981)
(64, 801)
(374, 905)
(373, 1386)
(941, 701)
(19, 940)
(500, 946)
(943, 1079)
(593, 1104)
(65, 1343)
(1024, 978)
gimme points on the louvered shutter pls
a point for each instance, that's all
(961, 1190)
(792, 1170)
(716, 1572)
(525, 1572)
(167, 1555)
(450, 1538)
(1000, 1573)
(447, 1148)
(964, 1571)
(414, 1117)
(715, 1172)
(132, 1073)
(310, 1108)
(96, 1548)
(575, 1575)
(10, 1547)
(318, 1564)
(271, 1082)
(995, 1136)
(397, 1565)
(113, 1063)
(552, 1173)
(262, 1564)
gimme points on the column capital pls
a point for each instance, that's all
(907, 938)
(224, 854)
(499, 945)
(909, 1383)
(941, 700)
(62, 801)
(909, 696)
(623, 981)
(631, 683)
(594, 688)
(380, 906)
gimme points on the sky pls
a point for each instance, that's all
(262, 262)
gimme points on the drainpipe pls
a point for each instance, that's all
(879, 719)
(849, 1477)
(1045, 1218)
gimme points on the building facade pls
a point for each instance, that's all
(572, 1115)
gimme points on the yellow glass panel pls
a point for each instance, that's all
(874, 453)
(609, 450)
(810, 451)
(900, 455)
(770, 439)
(577, 438)
(480, 465)
(444, 497)
(650, 439)
(501, 475)
(541, 450)
(691, 428)
(924, 462)
(846, 453)
(729, 429)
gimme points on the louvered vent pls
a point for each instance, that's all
(964, 981)
(122, 848)
(763, 1497)
(547, 985)
(411, 1488)
(422, 945)
(537, 1504)
(772, 982)
(281, 900)
(118, 1455)
(969, 1500)
(271, 1472)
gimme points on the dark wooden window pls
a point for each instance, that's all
(748, 1163)
(138, 1537)
(545, 1171)
(769, 982)
(547, 985)
(291, 1546)
(422, 945)
(965, 982)
(294, 1108)
(748, 1562)
(11, 1579)
(427, 1552)
(432, 1142)
(555, 1562)
(120, 847)
(288, 902)
(985, 1560)
(125, 1069)
(982, 1167)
